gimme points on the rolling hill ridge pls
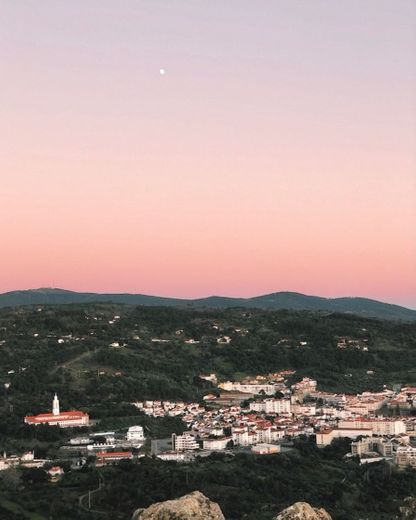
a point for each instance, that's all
(280, 300)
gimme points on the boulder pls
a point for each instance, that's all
(303, 511)
(194, 506)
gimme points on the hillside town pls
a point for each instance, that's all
(99, 398)
(261, 415)
(181, 399)
(248, 415)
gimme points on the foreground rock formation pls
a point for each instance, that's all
(194, 506)
(197, 506)
(303, 511)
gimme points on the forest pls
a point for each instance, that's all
(247, 487)
(100, 358)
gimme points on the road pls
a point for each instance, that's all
(87, 498)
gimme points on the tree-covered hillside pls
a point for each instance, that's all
(93, 354)
(364, 307)
(102, 357)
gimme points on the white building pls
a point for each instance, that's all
(216, 444)
(406, 456)
(325, 437)
(381, 445)
(279, 406)
(265, 449)
(184, 442)
(303, 409)
(267, 389)
(382, 426)
(212, 378)
(135, 433)
(175, 456)
(306, 386)
(26, 460)
(216, 432)
(240, 436)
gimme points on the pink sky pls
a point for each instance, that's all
(276, 153)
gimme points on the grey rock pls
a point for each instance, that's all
(194, 506)
(303, 511)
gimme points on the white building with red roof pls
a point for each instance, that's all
(111, 457)
(71, 419)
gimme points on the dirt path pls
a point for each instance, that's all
(80, 357)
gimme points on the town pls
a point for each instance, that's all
(261, 415)
(99, 398)
(243, 417)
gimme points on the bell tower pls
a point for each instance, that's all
(55, 405)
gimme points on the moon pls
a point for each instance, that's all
(162, 72)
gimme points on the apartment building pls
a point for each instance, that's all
(382, 426)
(405, 456)
(184, 442)
(272, 406)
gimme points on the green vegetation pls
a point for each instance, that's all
(246, 487)
(257, 487)
(10, 510)
(280, 300)
(67, 349)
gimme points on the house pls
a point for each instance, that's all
(55, 473)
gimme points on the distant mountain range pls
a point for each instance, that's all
(280, 300)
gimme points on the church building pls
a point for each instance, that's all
(69, 419)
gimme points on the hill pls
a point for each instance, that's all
(101, 357)
(100, 353)
(280, 300)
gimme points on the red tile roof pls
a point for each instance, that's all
(49, 417)
(114, 454)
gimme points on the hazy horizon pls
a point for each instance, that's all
(202, 296)
(275, 151)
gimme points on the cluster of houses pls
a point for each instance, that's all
(344, 342)
(375, 448)
(376, 436)
(254, 418)
(260, 424)
(106, 447)
(26, 460)
(260, 414)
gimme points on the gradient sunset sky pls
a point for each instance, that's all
(277, 152)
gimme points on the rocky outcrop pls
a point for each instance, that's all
(303, 511)
(197, 506)
(194, 506)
